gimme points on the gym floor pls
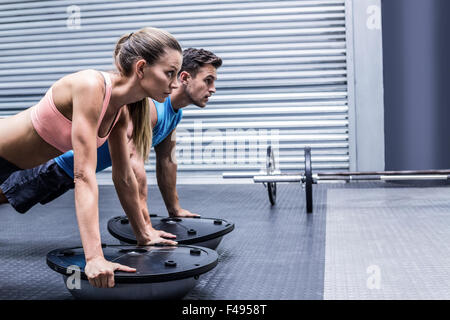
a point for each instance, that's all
(363, 241)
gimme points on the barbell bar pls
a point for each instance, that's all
(317, 178)
(307, 179)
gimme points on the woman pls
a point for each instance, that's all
(80, 111)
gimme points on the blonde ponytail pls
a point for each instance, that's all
(142, 132)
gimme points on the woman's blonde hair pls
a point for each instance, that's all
(148, 44)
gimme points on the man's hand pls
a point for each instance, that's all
(100, 272)
(183, 213)
(156, 236)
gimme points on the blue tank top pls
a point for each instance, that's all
(167, 121)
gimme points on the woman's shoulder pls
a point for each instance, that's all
(88, 78)
(86, 83)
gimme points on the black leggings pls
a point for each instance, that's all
(6, 169)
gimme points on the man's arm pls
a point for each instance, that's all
(166, 175)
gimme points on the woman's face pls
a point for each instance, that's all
(161, 78)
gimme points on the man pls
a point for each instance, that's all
(197, 76)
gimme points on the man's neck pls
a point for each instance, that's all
(178, 99)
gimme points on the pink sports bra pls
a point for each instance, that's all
(55, 129)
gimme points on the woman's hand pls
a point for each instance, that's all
(100, 272)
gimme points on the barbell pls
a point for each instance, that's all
(307, 178)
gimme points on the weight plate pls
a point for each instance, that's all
(272, 190)
(308, 180)
(270, 167)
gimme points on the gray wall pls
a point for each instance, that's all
(366, 94)
(283, 81)
(417, 93)
(295, 73)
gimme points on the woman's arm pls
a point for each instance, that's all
(138, 166)
(87, 103)
(127, 187)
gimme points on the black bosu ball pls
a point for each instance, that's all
(162, 272)
(204, 232)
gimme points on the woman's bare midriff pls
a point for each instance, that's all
(21, 145)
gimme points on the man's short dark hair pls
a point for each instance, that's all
(194, 59)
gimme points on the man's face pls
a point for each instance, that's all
(202, 86)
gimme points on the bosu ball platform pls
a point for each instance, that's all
(162, 272)
(204, 232)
